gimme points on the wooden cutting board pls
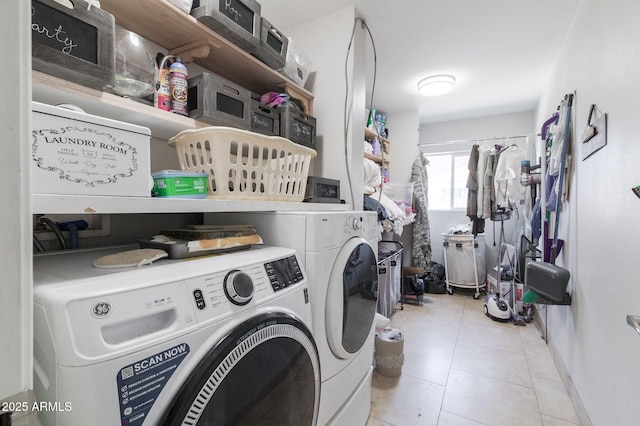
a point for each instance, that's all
(210, 232)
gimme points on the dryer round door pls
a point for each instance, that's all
(351, 298)
(264, 372)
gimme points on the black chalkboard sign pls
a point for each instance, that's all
(230, 105)
(327, 191)
(275, 42)
(58, 30)
(264, 120)
(297, 126)
(302, 132)
(238, 12)
(75, 44)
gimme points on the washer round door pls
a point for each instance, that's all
(265, 372)
(351, 298)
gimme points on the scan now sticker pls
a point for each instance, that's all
(140, 383)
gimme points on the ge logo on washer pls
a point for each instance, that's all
(102, 309)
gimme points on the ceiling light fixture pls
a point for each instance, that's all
(436, 85)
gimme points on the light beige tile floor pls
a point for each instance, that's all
(463, 369)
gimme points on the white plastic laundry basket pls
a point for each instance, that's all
(243, 165)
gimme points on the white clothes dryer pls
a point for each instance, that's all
(222, 340)
(338, 251)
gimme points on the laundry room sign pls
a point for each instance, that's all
(140, 383)
(81, 154)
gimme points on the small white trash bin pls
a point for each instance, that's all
(389, 352)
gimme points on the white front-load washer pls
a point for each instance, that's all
(219, 340)
(338, 250)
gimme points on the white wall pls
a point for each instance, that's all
(600, 60)
(494, 126)
(327, 49)
(404, 134)
(328, 53)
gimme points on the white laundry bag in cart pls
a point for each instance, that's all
(459, 252)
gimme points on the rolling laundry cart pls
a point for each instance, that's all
(390, 290)
(464, 262)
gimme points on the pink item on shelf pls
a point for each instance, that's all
(273, 99)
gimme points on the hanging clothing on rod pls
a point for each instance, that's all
(507, 177)
(489, 190)
(421, 248)
(483, 159)
(472, 192)
(498, 174)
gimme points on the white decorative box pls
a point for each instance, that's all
(81, 154)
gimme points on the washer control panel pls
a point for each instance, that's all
(225, 292)
(283, 272)
(364, 224)
(238, 287)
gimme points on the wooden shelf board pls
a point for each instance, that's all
(163, 125)
(72, 204)
(149, 19)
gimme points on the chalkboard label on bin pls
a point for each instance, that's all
(62, 32)
(274, 42)
(238, 13)
(327, 191)
(302, 132)
(259, 121)
(229, 105)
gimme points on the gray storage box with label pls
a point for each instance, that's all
(264, 119)
(273, 46)
(73, 43)
(236, 20)
(218, 101)
(82, 154)
(297, 126)
(322, 190)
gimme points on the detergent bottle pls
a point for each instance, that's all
(162, 98)
(179, 86)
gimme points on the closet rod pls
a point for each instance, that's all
(477, 140)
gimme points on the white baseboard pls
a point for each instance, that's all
(564, 373)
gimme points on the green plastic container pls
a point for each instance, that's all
(179, 184)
